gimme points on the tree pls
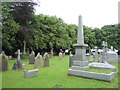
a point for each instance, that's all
(9, 30)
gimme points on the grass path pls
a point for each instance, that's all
(49, 77)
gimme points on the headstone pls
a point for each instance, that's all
(100, 57)
(30, 73)
(51, 52)
(24, 50)
(96, 59)
(60, 55)
(32, 58)
(112, 48)
(112, 56)
(88, 57)
(71, 60)
(4, 62)
(18, 55)
(104, 54)
(46, 60)
(38, 61)
(18, 65)
(64, 54)
(70, 53)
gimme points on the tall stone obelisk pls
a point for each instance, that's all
(80, 62)
(80, 46)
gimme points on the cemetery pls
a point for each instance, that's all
(50, 54)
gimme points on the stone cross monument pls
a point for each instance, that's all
(112, 48)
(96, 59)
(18, 55)
(80, 61)
(104, 54)
(18, 65)
(24, 50)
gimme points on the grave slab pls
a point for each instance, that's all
(30, 73)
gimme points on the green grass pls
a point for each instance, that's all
(49, 77)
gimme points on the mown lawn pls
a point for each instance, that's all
(49, 77)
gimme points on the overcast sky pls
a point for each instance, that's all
(96, 13)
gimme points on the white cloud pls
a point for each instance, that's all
(96, 13)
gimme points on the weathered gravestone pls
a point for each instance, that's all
(4, 62)
(30, 73)
(70, 52)
(112, 48)
(60, 55)
(96, 59)
(71, 60)
(38, 61)
(112, 56)
(88, 57)
(104, 54)
(32, 58)
(52, 52)
(18, 65)
(64, 54)
(46, 60)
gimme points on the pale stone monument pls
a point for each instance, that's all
(112, 56)
(71, 60)
(112, 48)
(32, 58)
(51, 52)
(38, 61)
(18, 65)
(96, 59)
(18, 55)
(46, 60)
(4, 62)
(70, 53)
(30, 73)
(80, 64)
(24, 49)
(104, 54)
(88, 57)
(60, 55)
(80, 61)
(64, 54)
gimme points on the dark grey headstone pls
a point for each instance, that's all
(72, 58)
(32, 58)
(17, 66)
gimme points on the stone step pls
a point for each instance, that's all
(80, 68)
(80, 63)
